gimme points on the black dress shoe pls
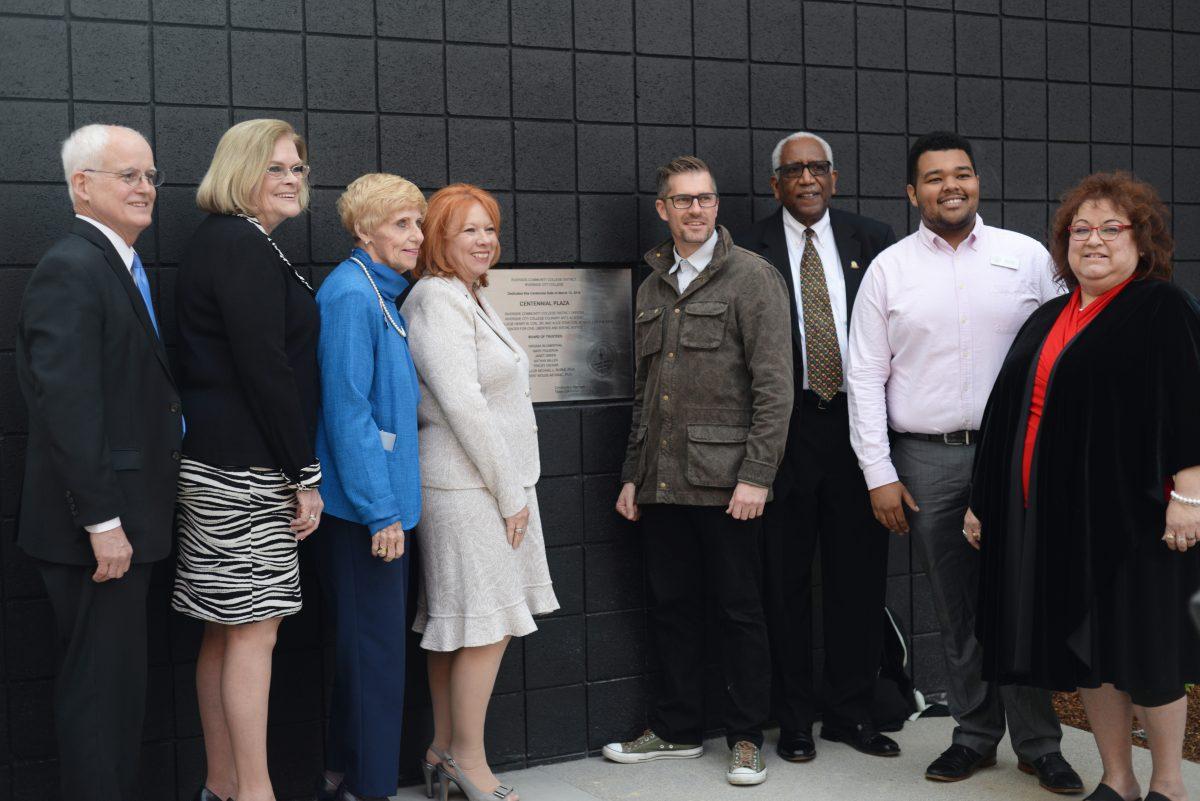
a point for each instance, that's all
(1105, 793)
(205, 794)
(1156, 796)
(796, 746)
(1054, 773)
(868, 741)
(957, 763)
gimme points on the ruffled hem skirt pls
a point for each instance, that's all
(475, 588)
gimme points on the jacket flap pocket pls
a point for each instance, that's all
(706, 308)
(646, 315)
(126, 460)
(707, 432)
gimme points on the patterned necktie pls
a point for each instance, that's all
(821, 349)
(143, 284)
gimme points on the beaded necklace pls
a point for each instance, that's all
(253, 221)
(379, 295)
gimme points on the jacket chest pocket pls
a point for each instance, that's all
(703, 324)
(649, 331)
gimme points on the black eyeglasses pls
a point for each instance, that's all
(1108, 232)
(792, 172)
(706, 200)
(134, 177)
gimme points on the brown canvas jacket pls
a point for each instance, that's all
(713, 387)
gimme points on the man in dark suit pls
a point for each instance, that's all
(105, 428)
(820, 495)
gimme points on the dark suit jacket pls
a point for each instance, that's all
(248, 331)
(104, 413)
(859, 240)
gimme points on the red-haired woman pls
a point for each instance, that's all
(483, 560)
(1086, 494)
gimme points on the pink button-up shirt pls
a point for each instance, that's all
(930, 329)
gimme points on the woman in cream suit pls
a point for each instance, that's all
(483, 560)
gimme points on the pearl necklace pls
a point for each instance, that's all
(379, 295)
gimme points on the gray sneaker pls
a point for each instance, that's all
(650, 746)
(746, 764)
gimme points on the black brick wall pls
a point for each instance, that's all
(564, 110)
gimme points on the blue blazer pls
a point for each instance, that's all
(367, 432)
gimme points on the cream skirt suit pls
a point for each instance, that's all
(479, 464)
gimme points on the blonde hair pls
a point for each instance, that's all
(370, 199)
(239, 167)
(446, 210)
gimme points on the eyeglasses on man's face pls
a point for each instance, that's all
(794, 171)
(1108, 232)
(279, 171)
(706, 200)
(134, 177)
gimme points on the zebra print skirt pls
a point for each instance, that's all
(237, 558)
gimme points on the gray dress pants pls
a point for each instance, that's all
(938, 477)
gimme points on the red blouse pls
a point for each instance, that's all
(1070, 322)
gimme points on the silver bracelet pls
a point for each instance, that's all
(1186, 501)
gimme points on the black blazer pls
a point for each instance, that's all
(247, 351)
(859, 240)
(104, 427)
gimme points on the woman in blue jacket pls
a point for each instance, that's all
(367, 444)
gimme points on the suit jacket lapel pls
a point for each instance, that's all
(484, 309)
(92, 234)
(774, 247)
(850, 252)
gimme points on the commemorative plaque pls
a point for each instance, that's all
(575, 325)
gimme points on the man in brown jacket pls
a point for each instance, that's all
(712, 399)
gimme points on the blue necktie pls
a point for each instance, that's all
(143, 284)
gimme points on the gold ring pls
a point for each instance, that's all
(1168, 536)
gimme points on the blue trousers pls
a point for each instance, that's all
(367, 596)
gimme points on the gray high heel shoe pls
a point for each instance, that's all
(472, 792)
(430, 771)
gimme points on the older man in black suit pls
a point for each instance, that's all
(105, 427)
(820, 496)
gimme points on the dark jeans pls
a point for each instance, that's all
(100, 692)
(938, 477)
(694, 553)
(824, 501)
(368, 598)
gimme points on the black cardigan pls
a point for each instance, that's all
(1119, 420)
(247, 351)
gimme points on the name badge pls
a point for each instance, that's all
(1010, 262)
(388, 439)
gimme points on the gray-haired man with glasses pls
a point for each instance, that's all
(105, 427)
(712, 396)
(821, 499)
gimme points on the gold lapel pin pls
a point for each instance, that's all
(853, 265)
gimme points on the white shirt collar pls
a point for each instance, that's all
(822, 230)
(124, 250)
(700, 259)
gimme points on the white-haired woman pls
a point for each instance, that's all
(367, 442)
(248, 328)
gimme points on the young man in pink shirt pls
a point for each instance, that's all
(935, 316)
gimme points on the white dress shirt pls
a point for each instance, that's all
(930, 330)
(835, 279)
(686, 270)
(126, 252)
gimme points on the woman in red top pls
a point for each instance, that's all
(1087, 482)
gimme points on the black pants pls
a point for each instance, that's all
(100, 692)
(824, 500)
(694, 553)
